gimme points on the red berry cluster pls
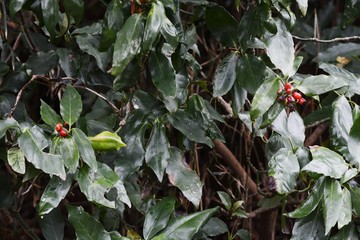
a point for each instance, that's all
(59, 128)
(289, 97)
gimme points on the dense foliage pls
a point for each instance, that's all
(179, 119)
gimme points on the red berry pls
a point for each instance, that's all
(290, 99)
(287, 86)
(288, 91)
(301, 101)
(58, 127)
(63, 133)
(296, 95)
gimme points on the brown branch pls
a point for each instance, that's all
(315, 135)
(343, 39)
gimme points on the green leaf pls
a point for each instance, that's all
(351, 12)
(157, 151)
(85, 149)
(316, 85)
(86, 226)
(42, 62)
(353, 142)
(48, 115)
(183, 122)
(153, 24)
(225, 75)
(52, 225)
(185, 227)
(272, 114)
(327, 163)
(214, 227)
(347, 232)
(75, 8)
(16, 160)
(183, 177)
(69, 61)
(350, 174)
(250, 72)
(169, 32)
(221, 24)
(355, 200)
(48, 163)
(309, 227)
(346, 209)
(163, 74)
(332, 202)
(313, 200)
(290, 126)
(341, 122)
(70, 105)
(51, 14)
(15, 6)
(225, 199)
(284, 167)
(54, 192)
(239, 95)
(264, 97)
(157, 217)
(284, 59)
(303, 5)
(127, 44)
(106, 141)
(70, 153)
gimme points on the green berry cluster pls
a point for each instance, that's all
(290, 97)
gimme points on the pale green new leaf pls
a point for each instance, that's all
(319, 84)
(70, 105)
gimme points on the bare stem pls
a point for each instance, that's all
(343, 39)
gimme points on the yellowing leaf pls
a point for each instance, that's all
(106, 141)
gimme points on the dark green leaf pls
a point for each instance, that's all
(75, 8)
(225, 75)
(157, 217)
(332, 202)
(86, 226)
(225, 199)
(52, 225)
(309, 227)
(69, 152)
(15, 6)
(183, 177)
(214, 227)
(163, 74)
(51, 14)
(355, 200)
(341, 49)
(189, 127)
(153, 24)
(243, 234)
(48, 163)
(284, 167)
(42, 62)
(316, 85)
(169, 32)
(221, 24)
(185, 227)
(127, 44)
(346, 209)
(353, 142)
(347, 232)
(327, 163)
(264, 97)
(157, 151)
(85, 149)
(16, 160)
(128, 78)
(272, 114)
(313, 200)
(351, 12)
(69, 61)
(239, 95)
(54, 192)
(48, 115)
(147, 103)
(70, 105)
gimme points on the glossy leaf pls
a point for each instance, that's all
(189, 127)
(332, 202)
(319, 84)
(350, 174)
(163, 74)
(54, 192)
(153, 24)
(355, 200)
(106, 141)
(86, 226)
(284, 59)
(347, 232)
(309, 227)
(214, 227)
(354, 141)
(346, 209)
(52, 225)
(326, 162)
(341, 122)
(42, 62)
(70, 105)
(48, 115)
(169, 32)
(284, 167)
(157, 217)
(185, 227)
(303, 5)
(48, 163)
(225, 75)
(239, 95)
(290, 126)
(85, 149)
(70, 153)
(75, 8)
(16, 160)
(127, 44)
(225, 199)
(183, 177)
(157, 153)
(272, 114)
(51, 14)
(7, 124)
(264, 97)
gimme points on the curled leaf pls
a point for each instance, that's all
(106, 141)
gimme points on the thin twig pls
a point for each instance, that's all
(30, 232)
(343, 39)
